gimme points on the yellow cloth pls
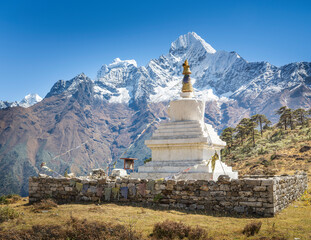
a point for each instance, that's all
(79, 186)
(115, 192)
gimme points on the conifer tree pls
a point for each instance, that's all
(227, 136)
(300, 116)
(260, 119)
(243, 129)
(286, 117)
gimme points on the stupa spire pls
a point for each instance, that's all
(187, 89)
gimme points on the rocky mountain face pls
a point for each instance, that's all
(83, 123)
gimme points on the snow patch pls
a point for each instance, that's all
(123, 97)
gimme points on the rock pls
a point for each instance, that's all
(304, 149)
(41, 175)
(223, 178)
(239, 209)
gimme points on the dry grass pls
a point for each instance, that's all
(281, 161)
(173, 230)
(293, 222)
(7, 213)
(277, 152)
(44, 205)
(252, 228)
(73, 229)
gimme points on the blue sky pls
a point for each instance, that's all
(44, 41)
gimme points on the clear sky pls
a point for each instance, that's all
(42, 41)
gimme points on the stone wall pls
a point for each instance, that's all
(251, 195)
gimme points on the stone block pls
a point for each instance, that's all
(224, 187)
(251, 204)
(204, 188)
(245, 193)
(260, 188)
(252, 182)
(239, 209)
(200, 207)
(267, 182)
(67, 189)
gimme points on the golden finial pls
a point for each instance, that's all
(186, 82)
(186, 68)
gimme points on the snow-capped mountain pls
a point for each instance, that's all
(26, 102)
(6, 104)
(216, 75)
(30, 100)
(219, 76)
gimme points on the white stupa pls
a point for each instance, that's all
(183, 148)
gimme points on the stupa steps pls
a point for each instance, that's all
(176, 137)
(177, 169)
(182, 165)
(176, 163)
(173, 130)
(184, 133)
(184, 176)
(181, 124)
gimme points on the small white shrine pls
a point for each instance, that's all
(185, 147)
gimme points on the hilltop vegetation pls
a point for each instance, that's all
(255, 147)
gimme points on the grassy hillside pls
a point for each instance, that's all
(278, 151)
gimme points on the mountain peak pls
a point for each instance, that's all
(114, 67)
(30, 100)
(190, 40)
(117, 62)
(82, 75)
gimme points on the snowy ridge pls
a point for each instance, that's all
(27, 101)
(30, 100)
(216, 76)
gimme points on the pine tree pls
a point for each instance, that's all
(252, 126)
(260, 119)
(227, 136)
(300, 116)
(286, 117)
(243, 129)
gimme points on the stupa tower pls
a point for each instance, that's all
(183, 147)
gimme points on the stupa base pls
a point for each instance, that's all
(181, 170)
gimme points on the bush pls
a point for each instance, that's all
(262, 151)
(4, 200)
(277, 136)
(174, 230)
(306, 198)
(45, 204)
(252, 228)
(273, 156)
(11, 198)
(7, 213)
(147, 160)
(73, 229)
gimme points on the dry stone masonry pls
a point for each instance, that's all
(264, 196)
